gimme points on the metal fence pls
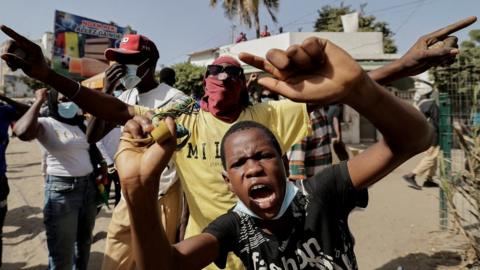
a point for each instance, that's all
(459, 102)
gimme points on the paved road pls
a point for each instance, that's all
(399, 227)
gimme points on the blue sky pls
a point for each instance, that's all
(179, 27)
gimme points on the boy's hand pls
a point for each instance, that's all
(26, 55)
(138, 166)
(434, 49)
(316, 71)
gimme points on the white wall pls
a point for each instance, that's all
(358, 43)
(203, 59)
(362, 44)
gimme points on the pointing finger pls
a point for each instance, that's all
(21, 40)
(444, 32)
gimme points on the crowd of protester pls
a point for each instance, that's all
(253, 185)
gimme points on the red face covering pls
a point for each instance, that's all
(224, 98)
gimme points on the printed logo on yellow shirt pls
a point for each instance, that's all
(210, 152)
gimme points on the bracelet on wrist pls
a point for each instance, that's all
(76, 93)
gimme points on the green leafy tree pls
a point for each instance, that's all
(475, 35)
(189, 78)
(329, 20)
(247, 11)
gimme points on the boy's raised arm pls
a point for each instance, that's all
(318, 71)
(28, 56)
(139, 172)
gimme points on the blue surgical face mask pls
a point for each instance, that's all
(263, 100)
(290, 192)
(67, 110)
(117, 93)
(130, 80)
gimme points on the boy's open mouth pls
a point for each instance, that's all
(262, 195)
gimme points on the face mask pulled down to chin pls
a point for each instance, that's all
(130, 80)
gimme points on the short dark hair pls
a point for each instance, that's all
(167, 75)
(244, 125)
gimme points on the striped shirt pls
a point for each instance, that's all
(312, 154)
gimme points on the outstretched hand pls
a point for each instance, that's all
(139, 166)
(438, 48)
(22, 53)
(316, 71)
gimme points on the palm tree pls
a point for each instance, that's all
(247, 11)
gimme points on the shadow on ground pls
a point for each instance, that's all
(95, 262)
(16, 266)
(24, 165)
(16, 153)
(38, 175)
(424, 261)
(99, 236)
(25, 220)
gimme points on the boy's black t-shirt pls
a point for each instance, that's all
(319, 237)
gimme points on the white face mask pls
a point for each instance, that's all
(130, 80)
(290, 192)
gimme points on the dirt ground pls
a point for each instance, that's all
(398, 230)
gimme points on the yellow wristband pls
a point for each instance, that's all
(161, 132)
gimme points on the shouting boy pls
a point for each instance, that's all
(274, 225)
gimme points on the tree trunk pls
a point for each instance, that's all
(257, 24)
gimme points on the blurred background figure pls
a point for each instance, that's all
(335, 116)
(265, 32)
(428, 165)
(241, 37)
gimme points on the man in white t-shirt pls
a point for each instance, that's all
(135, 68)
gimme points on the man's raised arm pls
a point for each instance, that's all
(438, 48)
(26, 55)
